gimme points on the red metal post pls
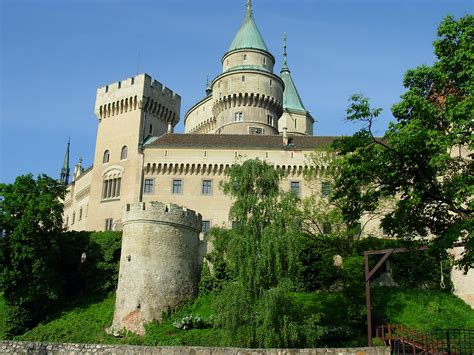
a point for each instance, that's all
(367, 300)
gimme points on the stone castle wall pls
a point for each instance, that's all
(159, 266)
(16, 347)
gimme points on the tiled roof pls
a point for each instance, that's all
(244, 141)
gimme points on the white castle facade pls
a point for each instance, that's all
(249, 111)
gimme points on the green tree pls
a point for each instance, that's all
(31, 224)
(262, 257)
(422, 167)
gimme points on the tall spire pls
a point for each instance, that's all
(248, 11)
(285, 64)
(65, 169)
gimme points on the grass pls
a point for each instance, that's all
(86, 320)
(83, 322)
(422, 309)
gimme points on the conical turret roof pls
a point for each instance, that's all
(248, 36)
(291, 98)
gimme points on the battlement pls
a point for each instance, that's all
(139, 92)
(137, 83)
(161, 213)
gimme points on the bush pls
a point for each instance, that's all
(98, 273)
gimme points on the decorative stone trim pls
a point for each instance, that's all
(83, 192)
(220, 169)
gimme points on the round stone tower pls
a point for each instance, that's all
(247, 96)
(158, 265)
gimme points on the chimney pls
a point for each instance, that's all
(285, 136)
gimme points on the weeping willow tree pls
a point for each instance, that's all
(261, 255)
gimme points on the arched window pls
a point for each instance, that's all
(106, 157)
(124, 153)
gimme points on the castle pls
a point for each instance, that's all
(248, 112)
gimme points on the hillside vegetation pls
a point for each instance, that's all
(87, 320)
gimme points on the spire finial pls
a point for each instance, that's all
(284, 49)
(64, 177)
(208, 86)
(249, 8)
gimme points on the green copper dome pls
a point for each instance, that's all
(248, 36)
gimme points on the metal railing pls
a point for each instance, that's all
(404, 340)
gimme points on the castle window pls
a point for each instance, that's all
(205, 226)
(245, 57)
(80, 213)
(109, 224)
(119, 84)
(271, 83)
(264, 60)
(124, 153)
(107, 88)
(73, 218)
(270, 120)
(205, 154)
(243, 78)
(177, 186)
(106, 157)
(255, 130)
(325, 188)
(149, 186)
(151, 129)
(327, 228)
(295, 188)
(133, 81)
(239, 116)
(206, 188)
(67, 221)
(111, 188)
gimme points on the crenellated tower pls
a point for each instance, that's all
(129, 112)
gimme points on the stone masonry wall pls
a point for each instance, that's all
(12, 347)
(158, 263)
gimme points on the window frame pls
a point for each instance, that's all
(109, 224)
(297, 193)
(325, 189)
(106, 157)
(124, 153)
(239, 116)
(145, 186)
(209, 223)
(209, 192)
(180, 192)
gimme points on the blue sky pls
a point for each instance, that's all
(55, 53)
